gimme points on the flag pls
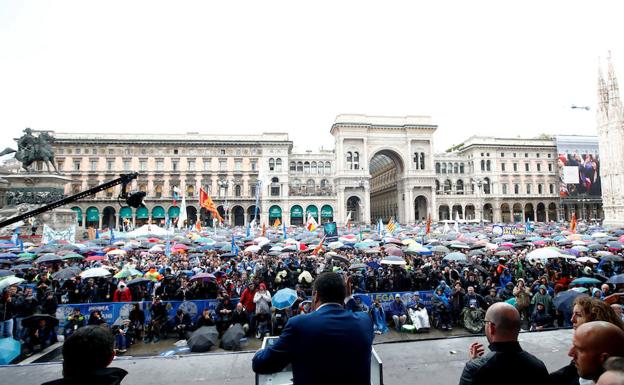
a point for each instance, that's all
(21, 243)
(528, 227)
(182, 217)
(428, 226)
(176, 195)
(112, 236)
(248, 230)
(167, 221)
(348, 220)
(234, 247)
(311, 225)
(284, 229)
(263, 230)
(97, 234)
(277, 223)
(573, 223)
(206, 202)
(15, 237)
(198, 225)
(257, 206)
(168, 248)
(380, 227)
(391, 226)
(446, 228)
(360, 228)
(319, 247)
(456, 225)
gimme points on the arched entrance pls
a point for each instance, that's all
(296, 215)
(251, 213)
(444, 213)
(552, 212)
(457, 212)
(221, 212)
(420, 208)
(353, 206)
(488, 212)
(191, 215)
(528, 212)
(312, 211)
(158, 215)
(93, 217)
(470, 213)
(517, 212)
(109, 219)
(505, 213)
(275, 212)
(386, 170)
(239, 216)
(142, 215)
(205, 217)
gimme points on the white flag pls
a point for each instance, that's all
(182, 218)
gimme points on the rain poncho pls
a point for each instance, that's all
(379, 319)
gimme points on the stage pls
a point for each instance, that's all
(438, 361)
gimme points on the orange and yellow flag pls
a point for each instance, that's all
(319, 247)
(277, 222)
(428, 228)
(206, 202)
(573, 223)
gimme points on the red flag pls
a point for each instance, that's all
(428, 228)
(206, 202)
(263, 230)
(573, 223)
(319, 247)
(198, 225)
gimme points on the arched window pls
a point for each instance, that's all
(237, 190)
(310, 186)
(455, 168)
(299, 166)
(271, 164)
(482, 165)
(461, 168)
(422, 160)
(459, 187)
(190, 190)
(327, 168)
(275, 187)
(437, 186)
(320, 168)
(293, 166)
(278, 165)
(488, 165)
(443, 168)
(306, 167)
(324, 183)
(313, 168)
(437, 168)
(158, 191)
(447, 186)
(450, 168)
(486, 186)
(349, 161)
(356, 160)
(296, 183)
(416, 160)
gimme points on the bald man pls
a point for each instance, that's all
(592, 344)
(506, 363)
(614, 372)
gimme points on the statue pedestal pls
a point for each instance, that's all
(28, 191)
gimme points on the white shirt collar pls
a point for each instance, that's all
(328, 303)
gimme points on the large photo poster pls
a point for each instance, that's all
(578, 163)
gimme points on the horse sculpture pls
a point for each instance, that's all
(32, 148)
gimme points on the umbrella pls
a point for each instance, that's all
(117, 252)
(203, 339)
(440, 249)
(338, 257)
(564, 300)
(585, 280)
(393, 260)
(203, 276)
(253, 248)
(47, 258)
(455, 256)
(305, 276)
(612, 258)
(544, 253)
(94, 258)
(395, 251)
(33, 320)
(613, 298)
(6, 273)
(138, 281)
(127, 272)
(231, 338)
(65, 274)
(10, 281)
(358, 266)
(284, 298)
(95, 273)
(9, 350)
(616, 279)
(503, 253)
(72, 256)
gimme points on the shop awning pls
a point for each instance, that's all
(296, 212)
(142, 213)
(327, 212)
(275, 212)
(125, 212)
(312, 210)
(158, 212)
(174, 212)
(93, 214)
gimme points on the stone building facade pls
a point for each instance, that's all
(380, 167)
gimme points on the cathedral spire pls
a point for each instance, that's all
(614, 92)
(603, 93)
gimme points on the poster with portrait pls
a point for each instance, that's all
(578, 163)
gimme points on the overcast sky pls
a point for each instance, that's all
(500, 68)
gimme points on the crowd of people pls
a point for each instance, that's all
(468, 270)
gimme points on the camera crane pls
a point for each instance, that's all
(134, 200)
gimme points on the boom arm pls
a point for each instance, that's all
(124, 179)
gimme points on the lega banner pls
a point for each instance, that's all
(116, 312)
(51, 235)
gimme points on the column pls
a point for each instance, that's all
(497, 214)
(535, 213)
(367, 208)
(100, 221)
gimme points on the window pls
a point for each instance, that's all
(549, 155)
(416, 160)
(292, 166)
(237, 190)
(537, 155)
(110, 164)
(271, 164)
(143, 165)
(488, 165)
(206, 165)
(526, 167)
(222, 152)
(356, 160)
(254, 165)
(190, 163)
(313, 168)
(275, 187)
(528, 188)
(443, 168)
(310, 186)
(222, 165)
(93, 165)
(551, 187)
(482, 165)
(526, 154)
(77, 151)
(160, 165)
(109, 192)
(126, 165)
(60, 164)
(158, 189)
(540, 189)
(502, 166)
(190, 190)
(327, 168)
(299, 166)
(252, 190)
(174, 165)
(514, 154)
(456, 168)
(238, 165)
(516, 189)
(515, 166)
(550, 167)
(539, 167)
(459, 187)
(324, 183)
(422, 160)
(504, 188)
(349, 160)
(278, 165)
(461, 168)
(306, 167)
(486, 186)
(502, 154)
(175, 152)
(76, 165)
(437, 168)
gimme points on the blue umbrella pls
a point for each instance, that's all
(374, 265)
(585, 280)
(9, 349)
(284, 299)
(565, 299)
(616, 279)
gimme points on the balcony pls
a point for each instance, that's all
(305, 191)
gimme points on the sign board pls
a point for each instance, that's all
(331, 231)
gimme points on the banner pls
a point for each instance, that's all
(578, 162)
(51, 235)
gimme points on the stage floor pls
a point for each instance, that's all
(438, 361)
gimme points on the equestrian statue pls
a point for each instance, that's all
(31, 149)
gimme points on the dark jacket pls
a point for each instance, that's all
(108, 376)
(332, 338)
(568, 375)
(506, 362)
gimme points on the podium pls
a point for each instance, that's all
(285, 377)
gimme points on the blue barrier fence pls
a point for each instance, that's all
(116, 311)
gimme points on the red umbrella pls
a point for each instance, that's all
(95, 258)
(180, 246)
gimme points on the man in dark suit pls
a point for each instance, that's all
(328, 346)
